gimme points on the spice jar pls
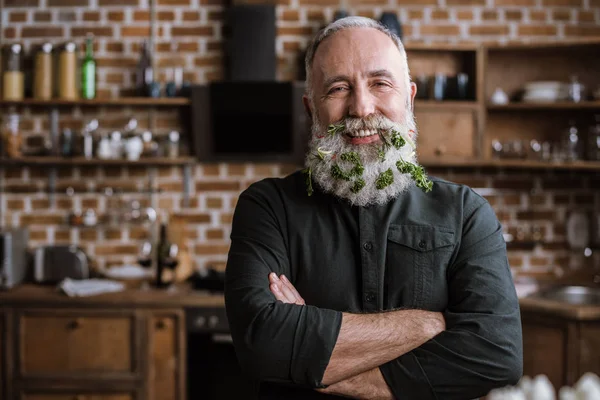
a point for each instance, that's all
(13, 77)
(11, 136)
(67, 72)
(42, 82)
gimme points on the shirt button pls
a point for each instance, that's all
(367, 246)
(422, 244)
(370, 297)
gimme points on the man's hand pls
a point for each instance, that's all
(283, 290)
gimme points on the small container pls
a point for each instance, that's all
(173, 145)
(13, 76)
(67, 72)
(11, 136)
(593, 147)
(42, 82)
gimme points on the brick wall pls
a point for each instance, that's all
(189, 35)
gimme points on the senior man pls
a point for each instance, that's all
(360, 276)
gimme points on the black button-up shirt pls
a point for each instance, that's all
(439, 251)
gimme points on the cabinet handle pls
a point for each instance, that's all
(161, 325)
(440, 150)
(74, 324)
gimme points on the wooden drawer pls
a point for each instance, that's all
(59, 343)
(446, 134)
(75, 396)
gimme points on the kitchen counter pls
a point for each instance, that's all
(43, 295)
(558, 309)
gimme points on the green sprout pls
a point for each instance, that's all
(417, 173)
(358, 185)
(309, 188)
(337, 173)
(333, 128)
(397, 140)
(381, 154)
(321, 153)
(385, 179)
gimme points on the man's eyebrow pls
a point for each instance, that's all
(371, 74)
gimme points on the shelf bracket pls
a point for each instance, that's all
(187, 184)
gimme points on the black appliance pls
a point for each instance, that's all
(250, 54)
(249, 121)
(213, 371)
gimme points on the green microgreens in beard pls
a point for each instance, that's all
(397, 140)
(333, 129)
(381, 154)
(417, 173)
(309, 188)
(358, 185)
(385, 179)
(321, 153)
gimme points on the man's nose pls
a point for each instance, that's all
(361, 103)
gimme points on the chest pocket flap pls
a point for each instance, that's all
(421, 237)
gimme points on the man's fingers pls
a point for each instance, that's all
(291, 287)
(277, 293)
(280, 291)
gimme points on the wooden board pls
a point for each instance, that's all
(445, 134)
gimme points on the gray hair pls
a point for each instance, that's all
(346, 23)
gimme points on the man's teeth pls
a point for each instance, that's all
(363, 133)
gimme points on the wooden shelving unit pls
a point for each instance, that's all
(592, 105)
(445, 105)
(510, 164)
(122, 101)
(80, 161)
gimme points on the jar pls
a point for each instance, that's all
(11, 136)
(42, 81)
(67, 72)
(593, 147)
(13, 77)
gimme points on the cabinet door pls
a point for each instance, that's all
(167, 356)
(545, 349)
(589, 348)
(73, 343)
(3, 378)
(445, 134)
(76, 396)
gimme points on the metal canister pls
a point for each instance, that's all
(67, 72)
(42, 82)
(13, 77)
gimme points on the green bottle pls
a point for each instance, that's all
(88, 71)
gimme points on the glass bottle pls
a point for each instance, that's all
(42, 85)
(11, 136)
(67, 72)
(572, 143)
(144, 71)
(593, 147)
(13, 77)
(88, 70)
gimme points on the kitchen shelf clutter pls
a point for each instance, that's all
(528, 106)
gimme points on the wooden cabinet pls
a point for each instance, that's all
(77, 396)
(2, 356)
(73, 343)
(559, 348)
(166, 375)
(96, 354)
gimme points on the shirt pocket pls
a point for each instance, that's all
(417, 257)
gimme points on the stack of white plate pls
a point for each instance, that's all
(546, 91)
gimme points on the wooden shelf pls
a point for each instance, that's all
(80, 161)
(563, 105)
(510, 164)
(121, 101)
(445, 105)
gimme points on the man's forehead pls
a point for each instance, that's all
(367, 49)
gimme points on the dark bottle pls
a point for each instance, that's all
(162, 253)
(144, 72)
(88, 71)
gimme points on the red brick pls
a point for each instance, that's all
(512, 183)
(587, 16)
(107, 250)
(135, 31)
(439, 14)
(194, 203)
(42, 16)
(215, 234)
(37, 31)
(319, 2)
(115, 16)
(537, 15)
(536, 215)
(294, 30)
(38, 219)
(489, 15)
(215, 15)
(68, 3)
(191, 47)
(10, 33)
(202, 249)
(21, 3)
(16, 204)
(465, 2)
(290, 15)
(17, 16)
(582, 30)
(226, 218)
(114, 47)
(537, 30)
(88, 234)
(417, 2)
(122, 3)
(417, 14)
(520, 3)
(38, 235)
(96, 31)
(191, 16)
(441, 30)
(214, 203)
(192, 31)
(315, 15)
(113, 234)
(212, 2)
(218, 186)
(489, 30)
(513, 15)
(174, 2)
(562, 3)
(208, 61)
(91, 16)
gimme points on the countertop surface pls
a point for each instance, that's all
(183, 295)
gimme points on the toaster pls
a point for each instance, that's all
(52, 264)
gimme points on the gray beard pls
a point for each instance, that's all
(368, 153)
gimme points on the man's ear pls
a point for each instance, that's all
(413, 92)
(306, 102)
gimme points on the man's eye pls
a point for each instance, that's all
(337, 89)
(381, 84)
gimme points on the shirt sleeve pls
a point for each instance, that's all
(275, 342)
(481, 348)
